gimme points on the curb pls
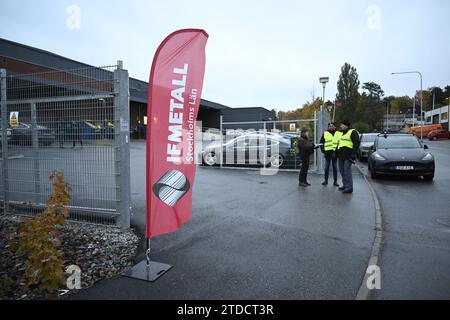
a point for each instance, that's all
(365, 293)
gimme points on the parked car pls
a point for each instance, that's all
(248, 149)
(438, 134)
(23, 135)
(400, 155)
(107, 129)
(89, 130)
(367, 140)
(290, 135)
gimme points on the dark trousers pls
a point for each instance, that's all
(331, 161)
(77, 138)
(304, 170)
(345, 167)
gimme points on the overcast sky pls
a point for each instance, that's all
(259, 53)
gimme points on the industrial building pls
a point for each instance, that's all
(18, 58)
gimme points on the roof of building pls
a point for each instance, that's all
(38, 57)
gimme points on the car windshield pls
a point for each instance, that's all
(368, 138)
(398, 142)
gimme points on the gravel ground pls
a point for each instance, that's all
(100, 252)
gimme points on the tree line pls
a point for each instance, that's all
(366, 109)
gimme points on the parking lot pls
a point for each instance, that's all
(89, 170)
(254, 237)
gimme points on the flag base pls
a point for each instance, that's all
(147, 272)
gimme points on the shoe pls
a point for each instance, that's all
(307, 183)
(325, 183)
(348, 191)
(341, 189)
(336, 184)
(302, 184)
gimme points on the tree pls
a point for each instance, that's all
(439, 96)
(348, 86)
(374, 90)
(401, 104)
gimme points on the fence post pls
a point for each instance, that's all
(319, 131)
(221, 141)
(265, 144)
(4, 137)
(35, 146)
(121, 145)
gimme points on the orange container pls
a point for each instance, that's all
(426, 129)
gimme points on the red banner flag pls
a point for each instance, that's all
(175, 88)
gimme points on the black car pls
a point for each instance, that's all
(248, 149)
(400, 155)
(23, 135)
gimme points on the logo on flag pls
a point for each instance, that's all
(171, 187)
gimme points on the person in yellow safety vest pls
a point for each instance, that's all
(329, 142)
(346, 152)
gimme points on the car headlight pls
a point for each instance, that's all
(428, 157)
(378, 157)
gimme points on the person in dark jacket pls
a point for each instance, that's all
(306, 148)
(76, 133)
(61, 132)
(348, 145)
(329, 143)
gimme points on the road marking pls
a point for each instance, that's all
(364, 293)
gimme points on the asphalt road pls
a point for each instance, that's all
(415, 259)
(254, 237)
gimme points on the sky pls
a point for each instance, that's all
(259, 53)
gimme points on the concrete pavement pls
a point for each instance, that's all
(254, 237)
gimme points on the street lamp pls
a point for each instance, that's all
(323, 81)
(421, 97)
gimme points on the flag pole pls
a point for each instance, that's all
(147, 253)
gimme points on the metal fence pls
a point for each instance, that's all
(74, 121)
(263, 143)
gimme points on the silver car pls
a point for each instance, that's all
(367, 141)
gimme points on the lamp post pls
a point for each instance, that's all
(323, 81)
(421, 96)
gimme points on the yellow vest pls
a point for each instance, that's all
(336, 139)
(346, 140)
(331, 141)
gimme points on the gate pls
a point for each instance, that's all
(75, 121)
(260, 143)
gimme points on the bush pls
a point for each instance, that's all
(39, 239)
(362, 127)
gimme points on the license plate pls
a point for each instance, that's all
(404, 168)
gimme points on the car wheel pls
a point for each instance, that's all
(373, 174)
(210, 159)
(276, 161)
(429, 177)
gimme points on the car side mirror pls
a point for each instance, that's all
(425, 147)
(372, 148)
